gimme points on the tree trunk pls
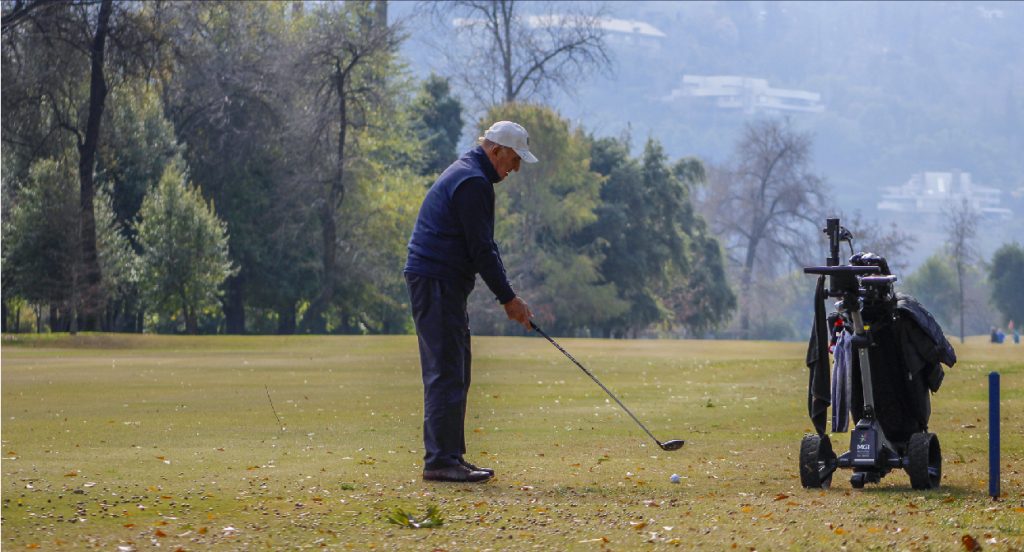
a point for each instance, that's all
(234, 306)
(960, 282)
(746, 281)
(191, 325)
(505, 43)
(3, 319)
(286, 319)
(314, 321)
(90, 281)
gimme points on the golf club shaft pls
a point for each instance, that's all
(597, 381)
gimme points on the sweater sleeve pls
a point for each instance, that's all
(474, 206)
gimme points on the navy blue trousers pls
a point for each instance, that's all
(442, 326)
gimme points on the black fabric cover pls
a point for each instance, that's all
(940, 350)
(819, 389)
(908, 347)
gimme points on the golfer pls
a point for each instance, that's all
(452, 242)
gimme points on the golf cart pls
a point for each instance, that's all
(892, 349)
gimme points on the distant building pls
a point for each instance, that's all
(934, 192)
(752, 95)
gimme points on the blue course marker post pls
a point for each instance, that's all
(993, 435)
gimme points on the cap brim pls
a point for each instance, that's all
(525, 155)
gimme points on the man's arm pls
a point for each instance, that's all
(474, 207)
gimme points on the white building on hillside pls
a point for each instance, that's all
(752, 95)
(935, 192)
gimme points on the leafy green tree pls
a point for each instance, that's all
(700, 299)
(229, 98)
(138, 143)
(184, 250)
(119, 265)
(657, 250)
(1006, 275)
(65, 57)
(347, 54)
(41, 237)
(934, 284)
(41, 257)
(538, 211)
(438, 123)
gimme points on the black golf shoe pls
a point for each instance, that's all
(488, 471)
(456, 474)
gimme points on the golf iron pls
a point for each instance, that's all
(674, 444)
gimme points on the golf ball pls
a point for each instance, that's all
(675, 478)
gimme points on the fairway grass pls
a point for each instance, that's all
(124, 442)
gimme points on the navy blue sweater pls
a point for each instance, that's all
(454, 234)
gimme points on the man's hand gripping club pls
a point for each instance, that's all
(518, 311)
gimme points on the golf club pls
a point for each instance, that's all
(674, 444)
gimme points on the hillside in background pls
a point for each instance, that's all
(902, 88)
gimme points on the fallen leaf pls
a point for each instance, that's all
(746, 509)
(840, 531)
(71, 474)
(781, 496)
(638, 525)
(970, 545)
(202, 530)
(159, 533)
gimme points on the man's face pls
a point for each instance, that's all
(506, 161)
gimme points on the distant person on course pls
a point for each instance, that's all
(452, 242)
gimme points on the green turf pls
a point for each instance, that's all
(133, 441)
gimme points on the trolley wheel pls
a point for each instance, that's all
(858, 479)
(817, 462)
(924, 461)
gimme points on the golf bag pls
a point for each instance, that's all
(904, 348)
(907, 354)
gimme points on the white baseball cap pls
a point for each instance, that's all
(511, 135)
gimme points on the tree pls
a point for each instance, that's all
(61, 65)
(961, 228)
(184, 250)
(41, 252)
(1006, 275)
(765, 204)
(438, 122)
(934, 285)
(701, 299)
(538, 211)
(231, 98)
(41, 256)
(346, 57)
(653, 242)
(519, 57)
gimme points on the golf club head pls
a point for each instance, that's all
(674, 444)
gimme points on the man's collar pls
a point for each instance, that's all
(485, 163)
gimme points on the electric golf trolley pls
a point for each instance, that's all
(891, 350)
